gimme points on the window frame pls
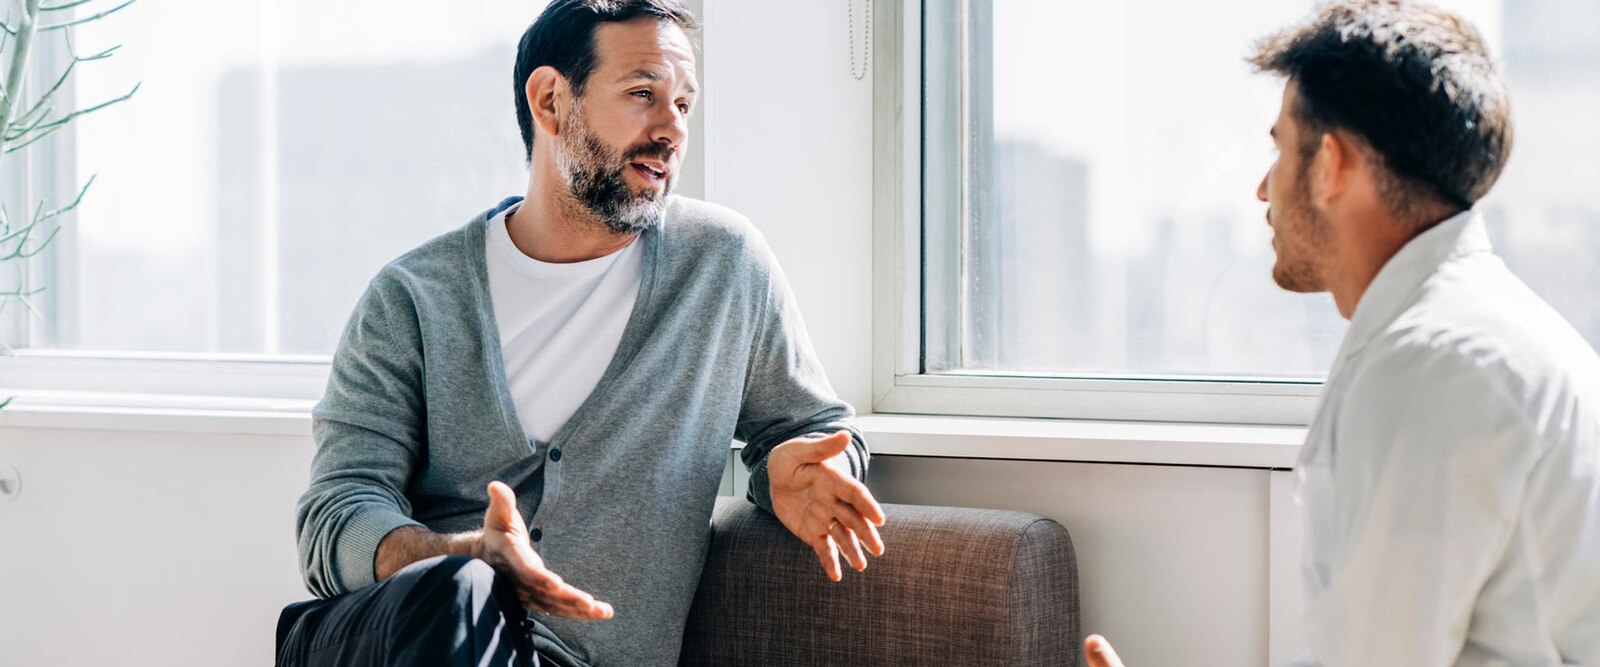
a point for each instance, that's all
(907, 258)
(118, 378)
(899, 383)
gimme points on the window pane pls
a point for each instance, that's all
(1114, 157)
(278, 153)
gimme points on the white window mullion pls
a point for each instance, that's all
(271, 191)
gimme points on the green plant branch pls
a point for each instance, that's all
(28, 123)
(75, 201)
(35, 116)
(69, 5)
(86, 19)
(27, 117)
(20, 294)
(42, 131)
(25, 31)
(23, 252)
(45, 98)
(20, 238)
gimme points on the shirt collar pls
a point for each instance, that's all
(1393, 289)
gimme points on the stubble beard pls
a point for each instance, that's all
(1304, 237)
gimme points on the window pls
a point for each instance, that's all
(277, 154)
(1087, 242)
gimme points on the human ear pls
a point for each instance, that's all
(548, 95)
(1330, 168)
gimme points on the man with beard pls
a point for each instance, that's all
(1451, 477)
(527, 418)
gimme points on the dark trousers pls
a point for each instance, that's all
(446, 611)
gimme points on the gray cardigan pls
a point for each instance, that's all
(418, 418)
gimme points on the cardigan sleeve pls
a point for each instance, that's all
(787, 394)
(369, 431)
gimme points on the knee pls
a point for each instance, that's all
(458, 589)
(472, 575)
(452, 599)
(452, 577)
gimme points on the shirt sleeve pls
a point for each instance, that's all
(369, 434)
(1429, 466)
(786, 393)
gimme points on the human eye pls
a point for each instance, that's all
(644, 94)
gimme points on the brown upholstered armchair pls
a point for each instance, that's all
(956, 586)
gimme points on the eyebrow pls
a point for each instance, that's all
(651, 75)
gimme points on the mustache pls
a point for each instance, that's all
(658, 151)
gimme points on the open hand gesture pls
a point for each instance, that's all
(506, 547)
(818, 500)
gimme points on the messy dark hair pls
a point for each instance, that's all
(563, 37)
(1414, 83)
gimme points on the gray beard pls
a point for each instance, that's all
(601, 189)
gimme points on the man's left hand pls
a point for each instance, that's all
(817, 499)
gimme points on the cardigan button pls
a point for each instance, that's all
(536, 534)
(555, 454)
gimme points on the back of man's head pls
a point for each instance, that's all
(1414, 83)
(563, 37)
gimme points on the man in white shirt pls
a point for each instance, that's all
(1451, 478)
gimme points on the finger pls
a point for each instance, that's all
(1099, 653)
(859, 525)
(849, 545)
(822, 449)
(582, 606)
(570, 602)
(857, 496)
(530, 602)
(557, 597)
(502, 513)
(594, 612)
(828, 555)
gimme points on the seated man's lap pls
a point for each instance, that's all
(439, 611)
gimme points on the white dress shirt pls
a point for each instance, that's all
(1451, 478)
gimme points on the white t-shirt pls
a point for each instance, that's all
(559, 325)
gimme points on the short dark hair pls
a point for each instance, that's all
(1414, 82)
(563, 37)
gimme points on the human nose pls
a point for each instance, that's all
(1261, 190)
(671, 128)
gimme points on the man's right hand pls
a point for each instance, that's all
(504, 544)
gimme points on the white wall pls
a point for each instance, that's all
(177, 548)
(139, 548)
(791, 147)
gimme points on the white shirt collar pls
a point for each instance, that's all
(1393, 289)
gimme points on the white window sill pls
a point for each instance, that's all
(1248, 446)
(1165, 443)
(170, 413)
